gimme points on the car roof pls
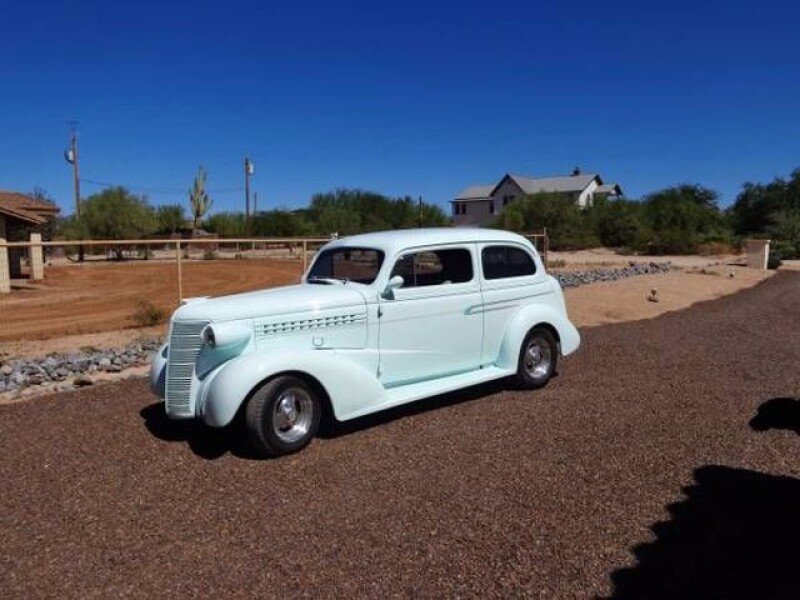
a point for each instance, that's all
(399, 239)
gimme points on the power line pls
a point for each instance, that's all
(156, 190)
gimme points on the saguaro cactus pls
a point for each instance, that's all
(198, 197)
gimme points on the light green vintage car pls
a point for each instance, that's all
(378, 320)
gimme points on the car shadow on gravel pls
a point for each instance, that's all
(778, 413)
(206, 442)
(331, 428)
(735, 535)
(211, 443)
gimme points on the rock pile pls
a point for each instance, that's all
(75, 369)
(576, 278)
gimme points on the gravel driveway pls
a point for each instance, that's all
(662, 463)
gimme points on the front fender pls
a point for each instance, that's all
(349, 385)
(158, 372)
(524, 321)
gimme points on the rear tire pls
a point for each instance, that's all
(282, 416)
(537, 359)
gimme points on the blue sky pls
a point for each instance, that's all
(401, 98)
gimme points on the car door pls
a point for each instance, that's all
(431, 326)
(512, 277)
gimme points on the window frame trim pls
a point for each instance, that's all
(516, 278)
(380, 251)
(442, 289)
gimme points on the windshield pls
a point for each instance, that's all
(347, 264)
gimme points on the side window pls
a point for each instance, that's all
(434, 267)
(500, 262)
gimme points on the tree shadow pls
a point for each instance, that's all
(212, 443)
(778, 413)
(735, 535)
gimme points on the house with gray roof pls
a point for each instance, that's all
(480, 204)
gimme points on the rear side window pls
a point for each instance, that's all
(434, 267)
(501, 262)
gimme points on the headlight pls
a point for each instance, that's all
(208, 337)
(224, 335)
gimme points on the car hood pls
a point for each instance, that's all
(303, 298)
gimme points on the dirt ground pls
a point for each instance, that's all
(626, 300)
(90, 298)
(610, 258)
(662, 463)
(77, 307)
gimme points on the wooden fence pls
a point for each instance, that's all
(177, 250)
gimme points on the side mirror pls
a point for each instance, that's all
(395, 282)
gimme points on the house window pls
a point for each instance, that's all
(508, 199)
(491, 207)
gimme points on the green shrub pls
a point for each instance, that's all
(773, 262)
(210, 255)
(785, 250)
(147, 314)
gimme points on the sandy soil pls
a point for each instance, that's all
(588, 306)
(47, 315)
(91, 298)
(608, 257)
(626, 300)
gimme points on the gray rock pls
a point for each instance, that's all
(83, 380)
(6, 370)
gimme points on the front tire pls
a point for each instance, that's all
(282, 416)
(537, 359)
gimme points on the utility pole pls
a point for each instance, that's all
(71, 155)
(255, 203)
(249, 169)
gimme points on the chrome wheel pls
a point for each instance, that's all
(293, 415)
(538, 357)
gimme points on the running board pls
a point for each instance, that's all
(425, 389)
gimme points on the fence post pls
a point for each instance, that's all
(305, 256)
(5, 274)
(546, 243)
(180, 270)
(36, 257)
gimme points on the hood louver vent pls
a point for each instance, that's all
(265, 329)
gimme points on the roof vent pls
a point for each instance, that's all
(576, 171)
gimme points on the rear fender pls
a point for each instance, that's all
(528, 318)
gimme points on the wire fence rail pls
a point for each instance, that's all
(130, 284)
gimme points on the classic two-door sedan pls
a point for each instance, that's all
(378, 320)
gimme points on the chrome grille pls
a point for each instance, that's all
(184, 346)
